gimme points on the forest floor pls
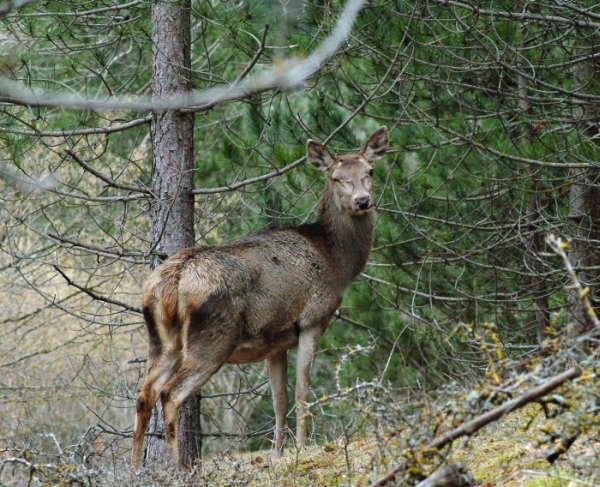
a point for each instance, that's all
(506, 453)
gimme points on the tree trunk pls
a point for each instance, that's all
(584, 191)
(537, 281)
(172, 183)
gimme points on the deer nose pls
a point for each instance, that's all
(363, 203)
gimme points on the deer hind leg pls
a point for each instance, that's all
(160, 370)
(308, 344)
(205, 351)
(277, 367)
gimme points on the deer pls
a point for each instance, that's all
(255, 298)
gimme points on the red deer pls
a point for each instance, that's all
(258, 297)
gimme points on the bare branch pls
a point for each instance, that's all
(95, 296)
(111, 129)
(104, 177)
(289, 75)
(525, 15)
(559, 246)
(89, 12)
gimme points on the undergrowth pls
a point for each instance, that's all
(550, 441)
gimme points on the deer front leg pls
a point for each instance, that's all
(307, 347)
(277, 367)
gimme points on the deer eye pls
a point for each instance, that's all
(371, 173)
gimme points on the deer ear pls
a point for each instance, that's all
(376, 146)
(318, 156)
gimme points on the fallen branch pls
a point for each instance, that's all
(479, 422)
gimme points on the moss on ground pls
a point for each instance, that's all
(508, 454)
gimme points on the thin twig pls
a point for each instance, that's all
(111, 182)
(559, 246)
(95, 296)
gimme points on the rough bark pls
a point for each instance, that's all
(172, 183)
(584, 191)
(537, 281)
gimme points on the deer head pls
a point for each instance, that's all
(350, 177)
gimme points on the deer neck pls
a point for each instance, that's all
(348, 238)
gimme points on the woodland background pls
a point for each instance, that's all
(494, 117)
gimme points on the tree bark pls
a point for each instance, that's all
(537, 279)
(584, 191)
(172, 183)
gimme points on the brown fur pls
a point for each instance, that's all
(256, 298)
